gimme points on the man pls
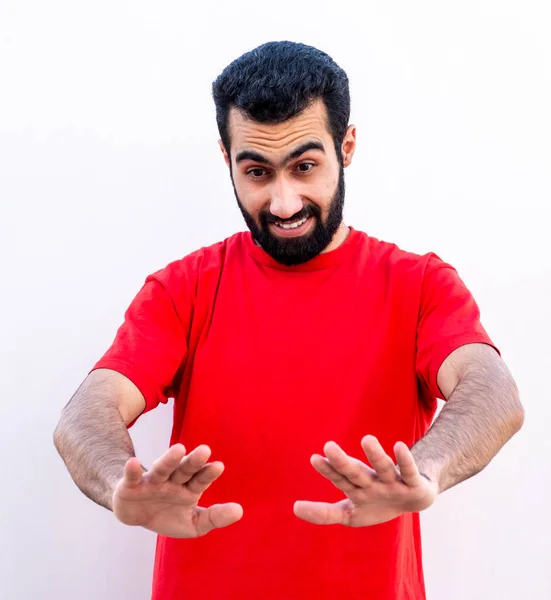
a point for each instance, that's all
(307, 357)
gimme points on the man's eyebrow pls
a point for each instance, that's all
(250, 155)
(257, 157)
(302, 149)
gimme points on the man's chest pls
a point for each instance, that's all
(322, 354)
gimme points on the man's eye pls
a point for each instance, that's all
(305, 167)
(256, 172)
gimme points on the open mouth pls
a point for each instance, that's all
(293, 228)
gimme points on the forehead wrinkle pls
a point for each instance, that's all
(266, 147)
(282, 141)
(250, 134)
(289, 139)
(280, 129)
(299, 122)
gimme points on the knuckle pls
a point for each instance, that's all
(185, 470)
(355, 477)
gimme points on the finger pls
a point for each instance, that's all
(382, 463)
(201, 480)
(216, 516)
(407, 465)
(324, 513)
(164, 466)
(353, 469)
(323, 467)
(132, 472)
(191, 464)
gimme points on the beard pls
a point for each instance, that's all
(295, 251)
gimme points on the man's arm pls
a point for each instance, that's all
(93, 440)
(482, 413)
(92, 436)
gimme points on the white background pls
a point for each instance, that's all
(109, 169)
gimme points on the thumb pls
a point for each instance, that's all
(133, 471)
(216, 516)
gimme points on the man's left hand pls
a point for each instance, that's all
(373, 495)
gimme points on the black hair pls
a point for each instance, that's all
(277, 81)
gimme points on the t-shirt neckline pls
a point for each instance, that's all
(321, 261)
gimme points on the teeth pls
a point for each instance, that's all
(292, 225)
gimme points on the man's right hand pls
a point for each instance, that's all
(164, 499)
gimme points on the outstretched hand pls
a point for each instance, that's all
(372, 495)
(164, 498)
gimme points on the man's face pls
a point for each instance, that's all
(288, 182)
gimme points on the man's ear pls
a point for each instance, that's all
(348, 145)
(226, 157)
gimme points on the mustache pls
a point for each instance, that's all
(266, 217)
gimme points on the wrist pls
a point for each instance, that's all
(433, 476)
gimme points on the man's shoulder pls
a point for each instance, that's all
(209, 259)
(391, 256)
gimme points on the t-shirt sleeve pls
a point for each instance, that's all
(448, 318)
(151, 344)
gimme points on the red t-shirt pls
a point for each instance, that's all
(266, 363)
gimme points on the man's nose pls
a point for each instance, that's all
(285, 201)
